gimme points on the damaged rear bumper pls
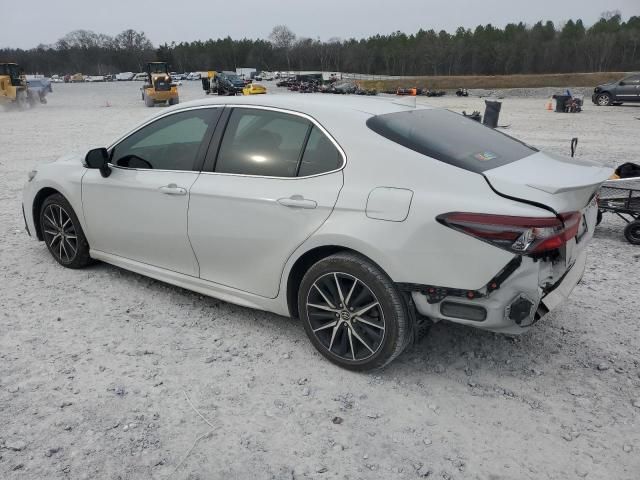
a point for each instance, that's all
(511, 307)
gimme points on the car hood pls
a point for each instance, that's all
(607, 85)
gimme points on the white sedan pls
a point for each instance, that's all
(364, 218)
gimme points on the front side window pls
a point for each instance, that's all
(262, 142)
(170, 143)
(632, 80)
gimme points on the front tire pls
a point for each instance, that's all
(604, 99)
(353, 313)
(62, 233)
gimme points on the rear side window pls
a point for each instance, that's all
(262, 142)
(320, 155)
(450, 138)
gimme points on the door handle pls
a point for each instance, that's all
(173, 189)
(297, 201)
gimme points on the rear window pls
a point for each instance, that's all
(450, 138)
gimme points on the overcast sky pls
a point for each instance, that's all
(27, 24)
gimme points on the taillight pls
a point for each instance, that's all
(524, 235)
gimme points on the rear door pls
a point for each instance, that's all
(274, 181)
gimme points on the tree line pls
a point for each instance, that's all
(610, 44)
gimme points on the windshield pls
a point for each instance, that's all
(635, 78)
(10, 69)
(450, 138)
(157, 68)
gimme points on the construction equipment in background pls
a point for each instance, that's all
(159, 88)
(13, 85)
(209, 83)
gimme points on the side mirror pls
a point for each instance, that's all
(621, 83)
(98, 158)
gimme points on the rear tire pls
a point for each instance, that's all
(632, 232)
(353, 313)
(604, 100)
(63, 233)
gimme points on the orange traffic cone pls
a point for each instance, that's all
(550, 106)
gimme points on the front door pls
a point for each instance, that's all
(276, 180)
(629, 89)
(139, 212)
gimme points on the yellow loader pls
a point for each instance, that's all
(13, 85)
(159, 87)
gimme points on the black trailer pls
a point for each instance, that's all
(622, 198)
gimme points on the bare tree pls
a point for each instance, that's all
(135, 46)
(283, 38)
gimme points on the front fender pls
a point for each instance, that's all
(63, 177)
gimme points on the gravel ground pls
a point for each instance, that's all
(105, 374)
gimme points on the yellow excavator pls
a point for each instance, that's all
(13, 85)
(159, 88)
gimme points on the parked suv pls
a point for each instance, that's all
(616, 93)
(229, 83)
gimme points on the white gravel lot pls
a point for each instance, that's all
(96, 365)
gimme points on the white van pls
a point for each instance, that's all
(125, 76)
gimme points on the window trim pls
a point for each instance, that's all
(201, 155)
(223, 127)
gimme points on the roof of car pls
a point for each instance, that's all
(315, 105)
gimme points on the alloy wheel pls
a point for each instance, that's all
(603, 100)
(345, 316)
(60, 233)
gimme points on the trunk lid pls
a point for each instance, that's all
(560, 183)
